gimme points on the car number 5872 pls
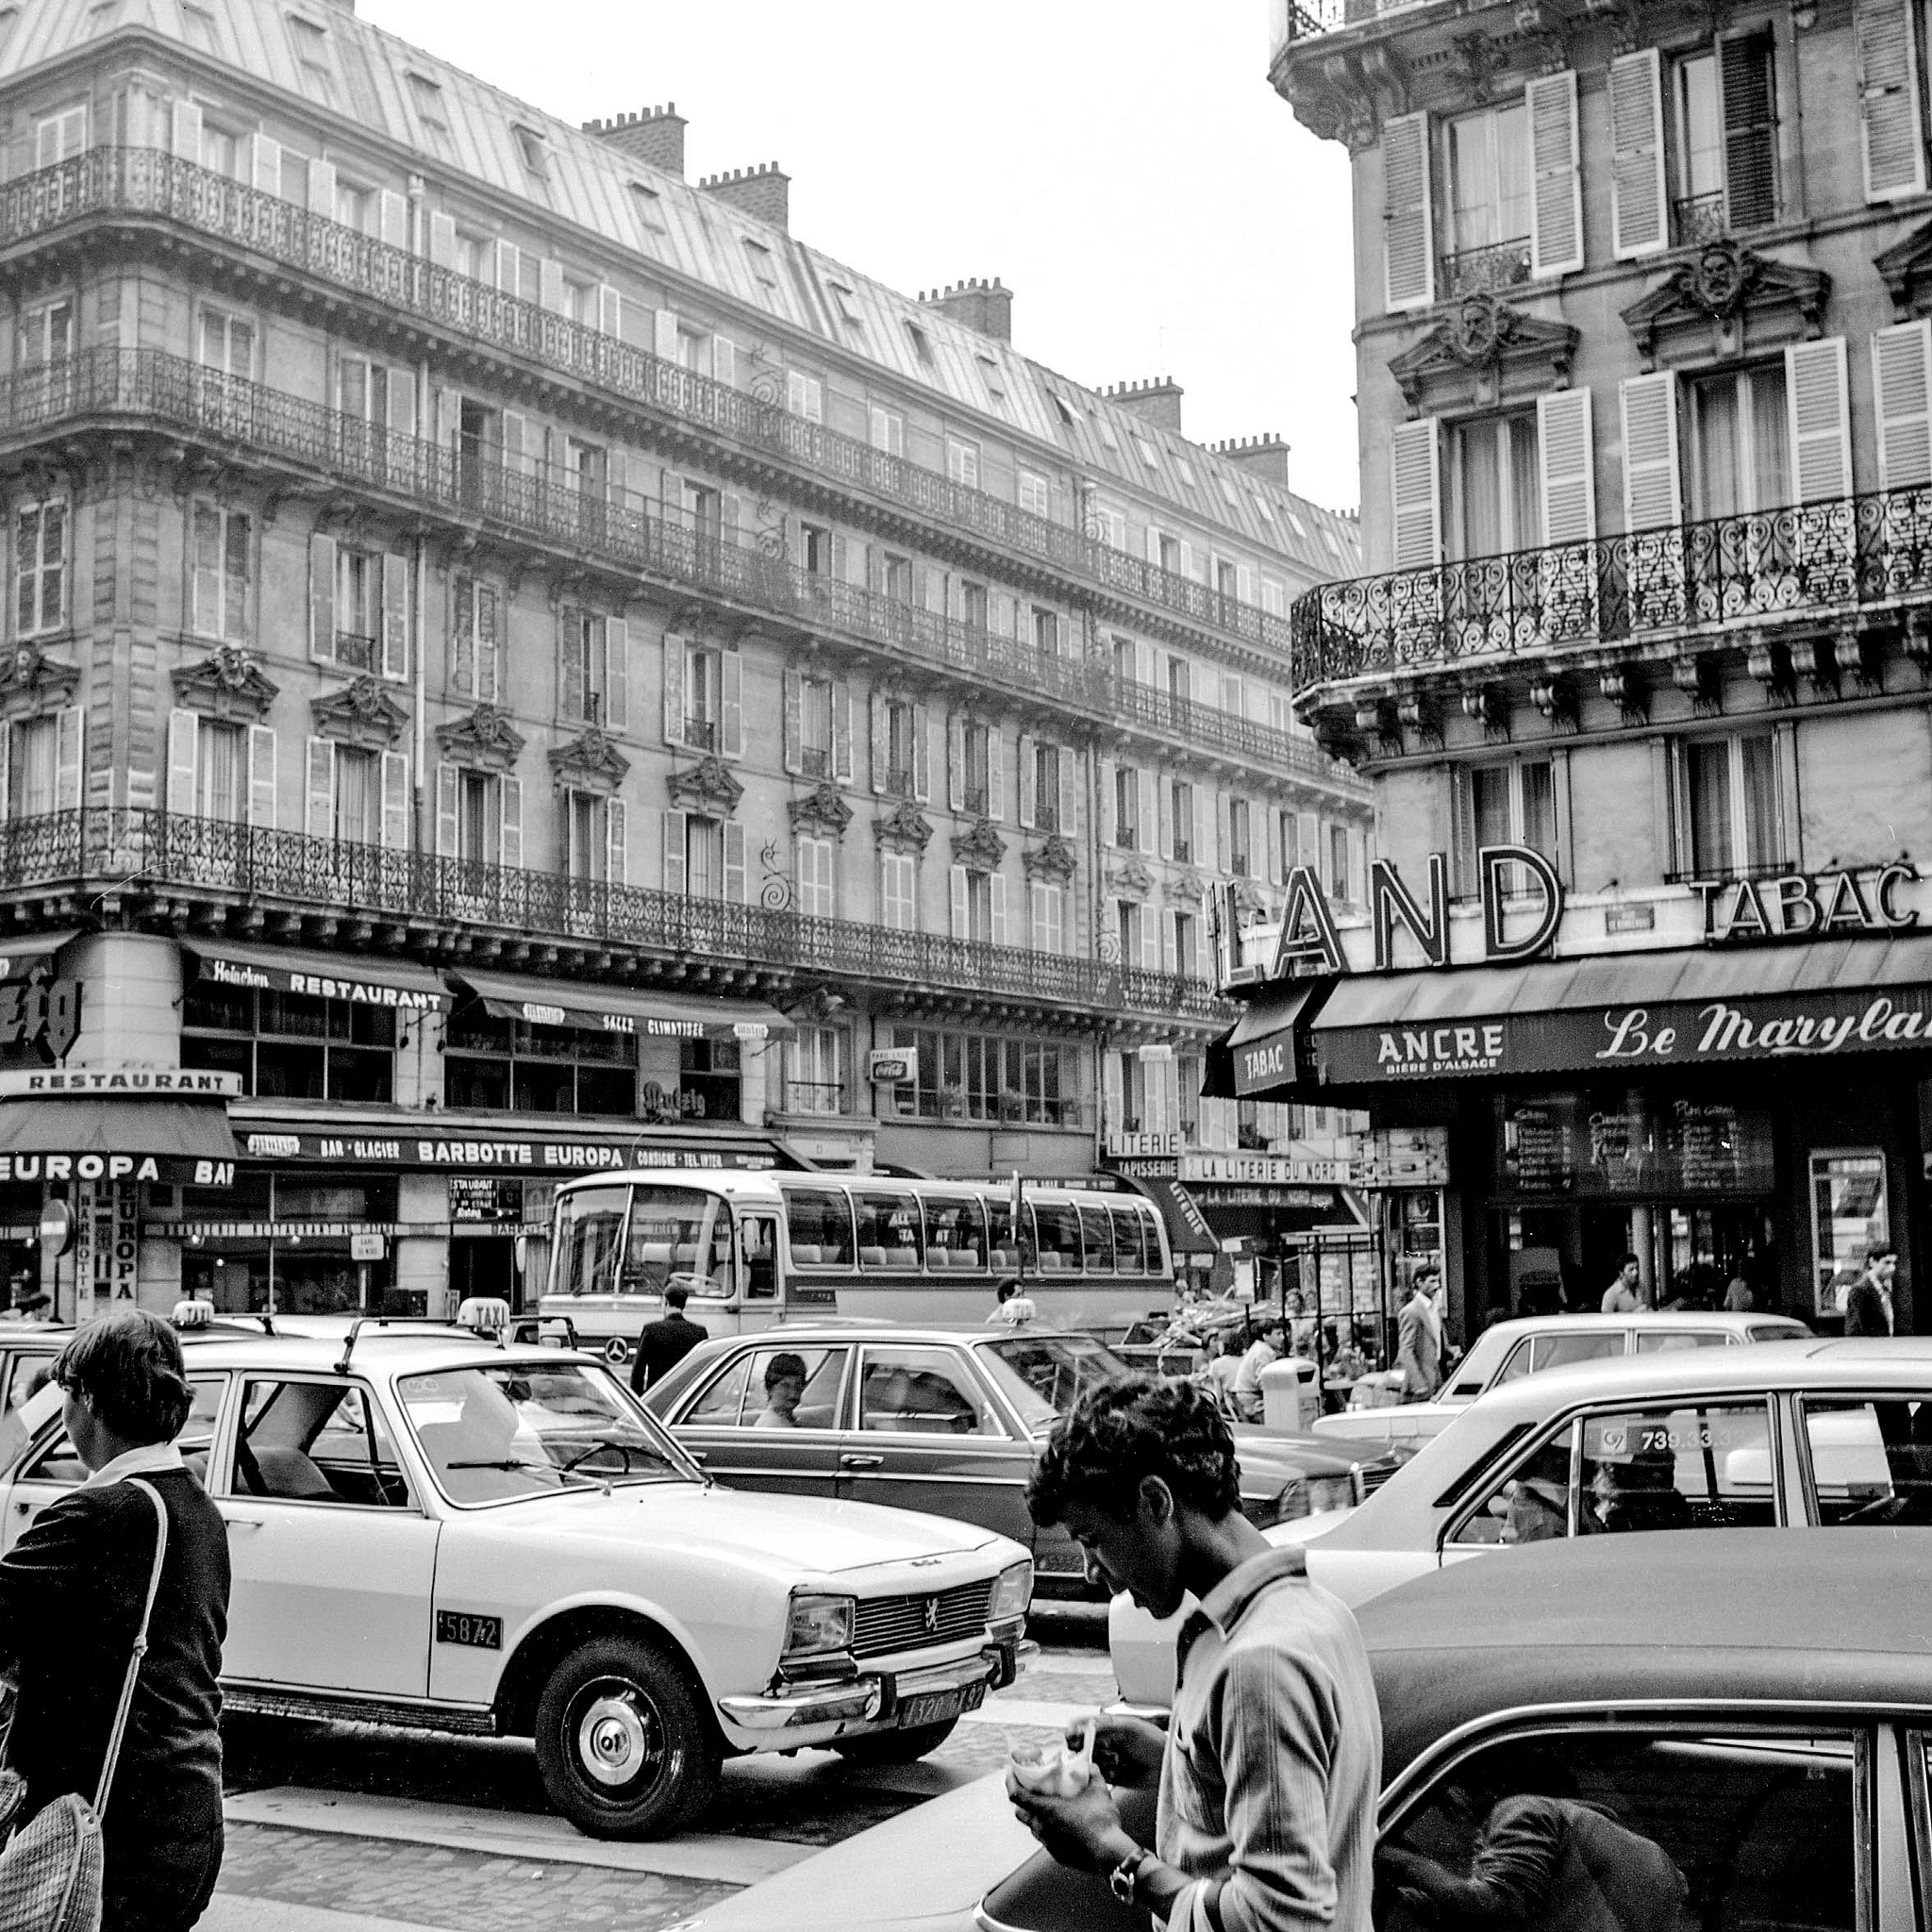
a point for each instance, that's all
(460, 1626)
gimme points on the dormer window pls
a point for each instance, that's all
(535, 151)
(921, 346)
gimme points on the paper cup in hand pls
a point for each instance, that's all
(1038, 1770)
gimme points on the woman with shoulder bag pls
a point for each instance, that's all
(71, 1594)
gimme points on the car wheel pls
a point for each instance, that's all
(617, 1351)
(622, 1742)
(896, 1747)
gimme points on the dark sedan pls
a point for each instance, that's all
(943, 1420)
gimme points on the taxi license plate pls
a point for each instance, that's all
(937, 1706)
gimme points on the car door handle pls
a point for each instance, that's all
(242, 1521)
(860, 1461)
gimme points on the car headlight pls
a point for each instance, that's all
(1288, 1505)
(1331, 1492)
(819, 1625)
(1011, 1594)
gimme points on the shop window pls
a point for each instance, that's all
(816, 1071)
(1729, 810)
(709, 1079)
(289, 1046)
(1850, 1214)
(1513, 803)
(982, 1077)
(512, 1064)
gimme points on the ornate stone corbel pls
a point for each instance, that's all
(1416, 712)
(1485, 705)
(1554, 697)
(1770, 663)
(1857, 665)
(1624, 688)
(1696, 676)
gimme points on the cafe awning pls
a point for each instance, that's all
(179, 1141)
(1619, 1013)
(1187, 1232)
(623, 1010)
(21, 952)
(401, 984)
(1257, 1052)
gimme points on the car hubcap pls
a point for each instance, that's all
(617, 1738)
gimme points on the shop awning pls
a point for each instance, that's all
(1257, 1052)
(399, 984)
(180, 1140)
(1623, 1012)
(623, 1010)
(1187, 1232)
(21, 952)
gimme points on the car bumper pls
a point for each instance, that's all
(870, 1700)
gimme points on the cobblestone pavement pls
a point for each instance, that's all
(810, 1800)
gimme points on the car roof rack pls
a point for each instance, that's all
(404, 1323)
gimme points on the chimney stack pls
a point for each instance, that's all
(763, 193)
(656, 136)
(979, 305)
(1158, 402)
(1265, 456)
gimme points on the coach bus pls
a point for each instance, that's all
(752, 1249)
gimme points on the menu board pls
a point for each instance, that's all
(1539, 1144)
(1633, 1146)
(485, 1197)
(1364, 1281)
(1620, 1149)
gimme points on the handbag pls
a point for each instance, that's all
(51, 1869)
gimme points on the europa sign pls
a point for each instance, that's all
(1802, 905)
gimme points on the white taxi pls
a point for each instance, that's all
(433, 1531)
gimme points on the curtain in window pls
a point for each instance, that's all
(220, 773)
(358, 796)
(1539, 807)
(1771, 460)
(1719, 457)
(1712, 850)
(1758, 758)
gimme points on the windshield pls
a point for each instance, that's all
(588, 1222)
(1043, 1376)
(502, 1430)
(676, 1233)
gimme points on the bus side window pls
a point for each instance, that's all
(759, 1234)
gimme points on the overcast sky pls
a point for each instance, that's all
(1122, 165)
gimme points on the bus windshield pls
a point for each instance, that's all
(1043, 1376)
(679, 1235)
(589, 1223)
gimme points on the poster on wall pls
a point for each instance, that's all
(1850, 1212)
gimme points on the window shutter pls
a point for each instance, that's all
(1111, 1087)
(322, 598)
(1407, 219)
(1029, 779)
(1750, 131)
(509, 266)
(392, 214)
(448, 794)
(674, 853)
(1164, 815)
(187, 131)
(1568, 458)
(5, 748)
(616, 674)
(731, 703)
(1110, 816)
(509, 824)
(794, 721)
(1168, 947)
(1036, 916)
(462, 636)
(922, 754)
(265, 163)
(488, 644)
(1639, 206)
(960, 912)
(1223, 836)
(996, 894)
(1821, 427)
(182, 727)
(995, 774)
(1556, 218)
(1150, 811)
(616, 841)
(1888, 99)
(1415, 481)
(881, 746)
(395, 615)
(724, 361)
(609, 310)
(442, 238)
(570, 666)
(1272, 834)
(319, 812)
(395, 801)
(955, 763)
(69, 758)
(1901, 382)
(550, 285)
(664, 339)
(1204, 825)
(673, 689)
(261, 776)
(1464, 809)
(1244, 583)
(1069, 792)
(841, 731)
(517, 443)
(1652, 488)
(1150, 939)
(322, 189)
(734, 862)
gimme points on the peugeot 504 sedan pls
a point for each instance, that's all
(429, 1530)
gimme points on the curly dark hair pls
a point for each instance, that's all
(1122, 1432)
(129, 1368)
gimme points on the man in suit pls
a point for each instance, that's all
(70, 1595)
(665, 1342)
(1419, 1350)
(1868, 1301)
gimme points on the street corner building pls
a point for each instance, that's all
(1639, 669)
(514, 664)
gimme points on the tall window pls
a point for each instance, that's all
(805, 396)
(1046, 787)
(1496, 495)
(886, 429)
(40, 568)
(221, 770)
(899, 890)
(1183, 926)
(219, 607)
(476, 643)
(1489, 180)
(33, 761)
(359, 796)
(900, 741)
(1727, 113)
(1239, 840)
(974, 606)
(227, 343)
(815, 874)
(1046, 632)
(704, 856)
(1049, 910)
(480, 817)
(976, 751)
(962, 462)
(1181, 817)
(60, 137)
(979, 898)
(1129, 928)
(1729, 815)
(817, 1074)
(815, 727)
(359, 608)
(1742, 443)
(46, 334)
(1035, 494)
(1341, 873)
(1127, 807)
(1513, 803)
(815, 549)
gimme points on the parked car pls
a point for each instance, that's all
(1506, 1351)
(947, 1419)
(1771, 1742)
(431, 1530)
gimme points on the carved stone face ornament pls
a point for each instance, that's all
(1721, 277)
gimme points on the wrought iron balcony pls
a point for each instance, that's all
(128, 181)
(1301, 20)
(1701, 218)
(545, 505)
(1810, 563)
(1486, 271)
(141, 853)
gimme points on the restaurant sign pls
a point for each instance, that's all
(1804, 905)
(515, 1154)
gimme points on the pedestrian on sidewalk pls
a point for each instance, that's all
(1868, 1301)
(1422, 1347)
(665, 1342)
(1624, 1296)
(1270, 1343)
(72, 1592)
(1269, 1772)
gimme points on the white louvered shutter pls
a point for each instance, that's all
(1150, 939)
(616, 674)
(448, 796)
(725, 360)
(1639, 209)
(881, 742)
(1150, 811)
(1820, 425)
(731, 703)
(792, 744)
(674, 853)
(322, 189)
(319, 784)
(960, 915)
(442, 238)
(1408, 246)
(261, 776)
(1901, 383)
(1415, 481)
(673, 689)
(995, 774)
(186, 131)
(996, 895)
(395, 801)
(1894, 146)
(616, 841)
(1029, 777)
(489, 642)
(955, 763)
(842, 730)
(509, 266)
(395, 615)
(265, 164)
(1652, 488)
(1070, 791)
(1555, 225)
(550, 285)
(1569, 482)
(322, 598)
(183, 728)
(609, 310)
(664, 335)
(1109, 828)
(734, 862)
(393, 215)
(510, 799)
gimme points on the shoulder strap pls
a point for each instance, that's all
(147, 1611)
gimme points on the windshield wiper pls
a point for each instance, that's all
(600, 1445)
(516, 1462)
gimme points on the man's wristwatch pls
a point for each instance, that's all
(1120, 1881)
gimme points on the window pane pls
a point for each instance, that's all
(1512, 174)
(1488, 791)
(1871, 1460)
(1761, 842)
(923, 1392)
(1718, 453)
(1482, 491)
(784, 1388)
(1525, 484)
(1708, 767)
(820, 1225)
(1769, 438)
(1538, 806)
(1679, 1469)
(1704, 154)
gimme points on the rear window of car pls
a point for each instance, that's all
(1679, 1338)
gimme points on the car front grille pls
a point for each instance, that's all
(1373, 1475)
(911, 1623)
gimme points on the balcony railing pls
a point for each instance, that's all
(545, 505)
(1300, 20)
(1701, 218)
(1808, 562)
(143, 181)
(1486, 271)
(134, 851)
(815, 1097)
